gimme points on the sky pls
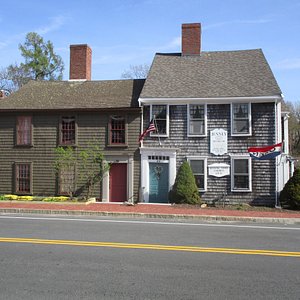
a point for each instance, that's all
(122, 33)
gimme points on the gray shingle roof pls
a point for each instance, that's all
(211, 75)
(56, 95)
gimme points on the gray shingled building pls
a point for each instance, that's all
(209, 108)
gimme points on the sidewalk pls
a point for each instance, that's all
(150, 211)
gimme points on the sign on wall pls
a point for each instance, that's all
(219, 170)
(218, 141)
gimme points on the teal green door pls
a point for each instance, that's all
(158, 182)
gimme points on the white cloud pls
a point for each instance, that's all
(288, 64)
(220, 24)
(55, 24)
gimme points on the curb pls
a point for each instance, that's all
(211, 218)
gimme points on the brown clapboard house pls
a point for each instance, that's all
(209, 108)
(43, 115)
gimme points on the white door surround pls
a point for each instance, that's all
(157, 155)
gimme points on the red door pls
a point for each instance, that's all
(118, 183)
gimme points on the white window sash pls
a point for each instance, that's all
(189, 134)
(154, 134)
(240, 119)
(192, 158)
(233, 158)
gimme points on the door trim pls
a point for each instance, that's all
(130, 178)
(152, 152)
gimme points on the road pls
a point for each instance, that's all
(99, 258)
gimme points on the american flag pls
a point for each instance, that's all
(151, 127)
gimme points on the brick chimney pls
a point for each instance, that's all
(80, 62)
(191, 39)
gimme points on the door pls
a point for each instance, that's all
(118, 182)
(158, 182)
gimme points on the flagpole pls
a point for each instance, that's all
(155, 124)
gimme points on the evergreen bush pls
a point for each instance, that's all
(185, 190)
(290, 195)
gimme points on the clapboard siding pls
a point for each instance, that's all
(218, 116)
(90, 127)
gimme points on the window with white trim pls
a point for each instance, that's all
(160, 114)
(241, 174)
(196, 120)
(240, 119)
(198, 166)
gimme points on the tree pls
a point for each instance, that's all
(65, 162)
(93, 167)
(136, 72)
(290, 195)
(89, 162)
(41, 63)
(185, 189)
(294, 126)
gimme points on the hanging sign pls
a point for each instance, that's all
(219, 170)
(218, 141)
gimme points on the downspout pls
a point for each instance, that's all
(277, 140)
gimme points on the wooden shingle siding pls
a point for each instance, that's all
(90, 126)
(218, 116)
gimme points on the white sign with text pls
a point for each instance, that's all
(219, 170)
(218, 141)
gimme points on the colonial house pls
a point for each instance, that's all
(209, 108)
(44, 115)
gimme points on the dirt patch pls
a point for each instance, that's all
(239, 207)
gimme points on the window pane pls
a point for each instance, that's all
(159, 113)
(23, 178)
(67, 180)
(68, 130)
(241, 126)
(197, 166)
(241, 182)
(199, 181)
(241, 166)
(197, 127)
(196, 112)
(241, 118)
(240, 111)
(117, 130)
(24, 130)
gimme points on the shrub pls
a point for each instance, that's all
(290, 195)
(185, 189)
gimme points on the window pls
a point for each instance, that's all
(241, 174)
(24, 131)
(160, 114)
(67, 181)
(68, 130)
(23, 184)
(196, 120)
(117, 130)
(241, 119)
(198, 166)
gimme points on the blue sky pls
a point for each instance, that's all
(129, 32)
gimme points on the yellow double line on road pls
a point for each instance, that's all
(151, 247)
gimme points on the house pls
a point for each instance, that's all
(43, 115)
(209, 108)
